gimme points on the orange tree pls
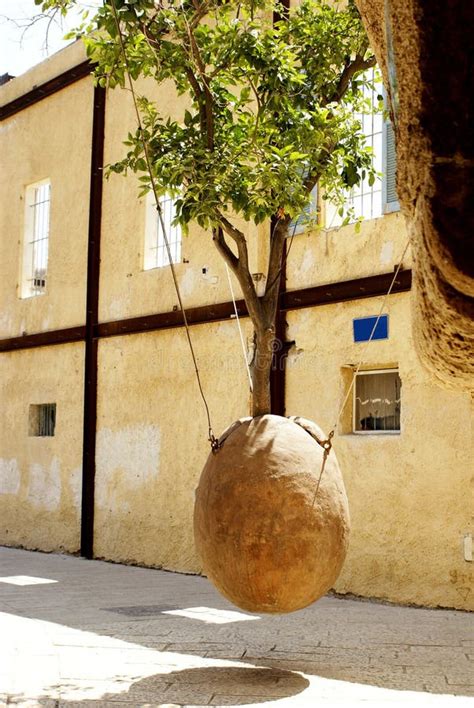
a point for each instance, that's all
(270, 113)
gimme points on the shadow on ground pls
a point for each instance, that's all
(349, 642)
(209, 686)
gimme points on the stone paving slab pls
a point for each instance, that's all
(101, 635)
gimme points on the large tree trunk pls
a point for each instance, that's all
(421, 49)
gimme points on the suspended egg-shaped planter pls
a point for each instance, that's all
(271, 538)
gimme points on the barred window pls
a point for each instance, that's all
(42, 420)
(156, 253)
(377, 401)
(36, 239)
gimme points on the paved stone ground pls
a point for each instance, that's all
(114, 635)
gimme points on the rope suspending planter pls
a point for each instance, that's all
(271, 517)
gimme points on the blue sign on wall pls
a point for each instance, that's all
(363, 327)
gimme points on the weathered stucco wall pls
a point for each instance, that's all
(330, 255)
(50, 68)
(152, 438)
(40, 477)
(50, 140)
(410, 495)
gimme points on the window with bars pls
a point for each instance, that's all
(36, 239)
(156, 253)
(42, 420)
(371, 201)
(377, 401)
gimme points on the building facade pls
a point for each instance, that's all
(103, 435)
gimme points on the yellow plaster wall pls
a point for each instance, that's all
(152, 438)
(411, 494)
(50, 68)
(40, 477)
(51, 139)
(329, 255)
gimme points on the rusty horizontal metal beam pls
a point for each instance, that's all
(168, 320)
(46, 89)
(344, 291)
(43, 339)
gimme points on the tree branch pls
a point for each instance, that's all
(223, 248)
(240, 268)
(352, 67)
(194, 83)
(278, 236)
(208, 98)
(238, 237)
(199, 95)
(201, 10)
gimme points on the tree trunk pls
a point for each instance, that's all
(264, 320)
(260, 370)
(262, 310)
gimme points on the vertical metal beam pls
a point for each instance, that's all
(278, 372)
(92, 312)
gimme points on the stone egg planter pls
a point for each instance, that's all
(266, 540)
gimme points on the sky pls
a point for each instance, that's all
(22, 47)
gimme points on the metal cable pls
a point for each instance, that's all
(211, 437)
(382, 307)
(244, 351)
(327, 444)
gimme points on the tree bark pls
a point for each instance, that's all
(262, 310)
(260, 370)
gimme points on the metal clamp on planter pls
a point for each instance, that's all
(315, 431)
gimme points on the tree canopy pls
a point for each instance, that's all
(270, 108)
(270, 100)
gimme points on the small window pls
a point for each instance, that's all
(377, 401)
(42, 420)
(156, 254)
(36, 239)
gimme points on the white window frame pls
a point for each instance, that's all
(36, 230)
(365, 372)
(155, 252)
(385, 206)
